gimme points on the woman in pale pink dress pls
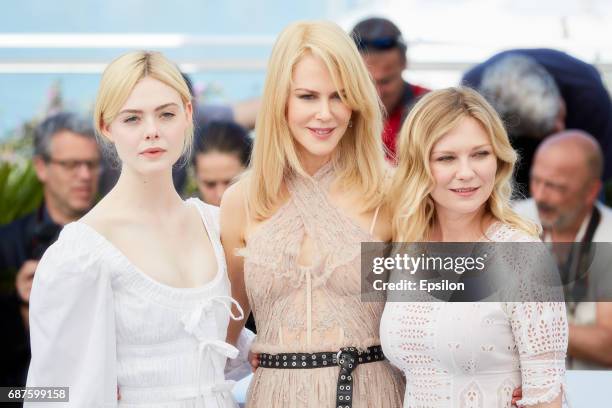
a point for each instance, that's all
(313, 194)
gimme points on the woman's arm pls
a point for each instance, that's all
(540, 333)
(72, 328)
(233, 223)
(556, 403)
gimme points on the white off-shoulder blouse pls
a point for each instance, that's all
(98, 322)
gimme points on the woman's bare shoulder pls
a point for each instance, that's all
(99, 217)
(105, 218)
(235, 197)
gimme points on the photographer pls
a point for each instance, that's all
(67, 163)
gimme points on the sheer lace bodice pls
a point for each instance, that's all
(312, 308)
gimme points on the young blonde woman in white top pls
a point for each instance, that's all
(135, 296)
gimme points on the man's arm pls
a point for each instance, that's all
(593, 342)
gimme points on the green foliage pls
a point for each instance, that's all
(20, 190)
(191, 187)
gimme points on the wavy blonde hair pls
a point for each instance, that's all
(358, 159)
(121, 76)
(430, 119)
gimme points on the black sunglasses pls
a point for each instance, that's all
(382, 43)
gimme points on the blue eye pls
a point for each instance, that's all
(483, 153)
(130, 119)
(168, 115)
(306, 96)
(445, 158)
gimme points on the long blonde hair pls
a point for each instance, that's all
(430, 119)
(121, 76)
(358, 159)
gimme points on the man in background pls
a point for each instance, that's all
(383, 49)
(67, 163)
(565, 183)
(541, 91)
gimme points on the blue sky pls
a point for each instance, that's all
(461, 32)
(23, 96)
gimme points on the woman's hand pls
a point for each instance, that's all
(517, 394)
(253, 360)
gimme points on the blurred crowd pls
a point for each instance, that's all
(556, 109)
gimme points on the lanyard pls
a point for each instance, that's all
(575, 270)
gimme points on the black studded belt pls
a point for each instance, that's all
(348, 358)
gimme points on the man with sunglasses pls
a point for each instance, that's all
(383, 49)
(67, 163)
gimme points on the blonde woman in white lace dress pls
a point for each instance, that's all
(453, 184)
(134, 296)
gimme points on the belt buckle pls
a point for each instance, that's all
(350, 354)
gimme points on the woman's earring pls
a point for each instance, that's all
(350, 124)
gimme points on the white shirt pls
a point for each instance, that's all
(527, 208)
(97, 321)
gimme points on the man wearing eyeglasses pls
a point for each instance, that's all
(383, 49)
(67, 163)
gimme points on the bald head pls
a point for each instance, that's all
(565, 179)
(576, 148)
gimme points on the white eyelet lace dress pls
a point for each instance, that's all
(98, 322)
(474, 354)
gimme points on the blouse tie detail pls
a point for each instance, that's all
(201, 324)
